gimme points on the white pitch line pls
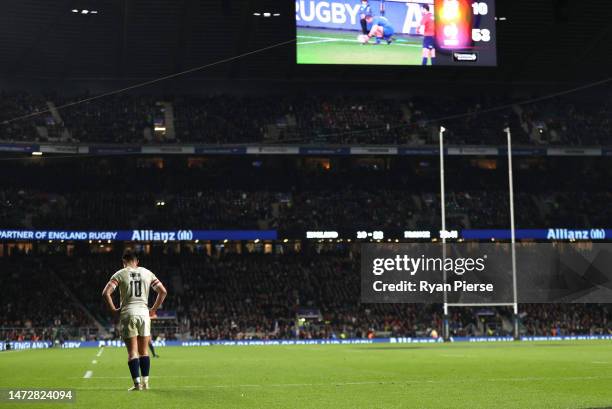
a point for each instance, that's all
(323, 38)
(94, 362)
(88, 374)
(100, 352)
(330, 40)
(397, 382)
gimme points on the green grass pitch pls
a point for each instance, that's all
(320, 46)
(502, 375)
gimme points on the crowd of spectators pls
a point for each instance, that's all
(125, 118)
(227, 119)
(118, 195)
(35, 303)
(248, 294)
(251, 295)
(294, 213)
(563, 319)
(18, 105)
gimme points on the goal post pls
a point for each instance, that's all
(445, 329)
(512, 233)
(514, 303)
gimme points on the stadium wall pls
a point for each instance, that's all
(331, 150)
(593, 234)
(23, 345)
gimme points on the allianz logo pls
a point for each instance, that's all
(152, 235)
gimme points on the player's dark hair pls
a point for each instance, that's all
(129, 256)
(425, 6)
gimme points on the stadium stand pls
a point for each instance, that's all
(243, 291)
(288, 196)
(258, 296)
(222, 293)
(226, 119)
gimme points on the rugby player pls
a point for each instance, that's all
(134, 315)
(428, 30)
(365, 10)
(380, 27)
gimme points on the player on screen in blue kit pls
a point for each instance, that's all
(380, 28)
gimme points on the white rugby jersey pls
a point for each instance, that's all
(134, 284)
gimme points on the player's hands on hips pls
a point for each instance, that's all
(152, 313)
(115, 313)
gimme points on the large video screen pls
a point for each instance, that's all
(396, 32)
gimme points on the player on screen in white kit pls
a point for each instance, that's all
(134, 315)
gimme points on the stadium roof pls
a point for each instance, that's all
(125, 39)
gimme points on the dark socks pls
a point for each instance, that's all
(152, 348)
(134, 365)
(145, 365)
(424, 61)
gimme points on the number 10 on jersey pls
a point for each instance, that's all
(136, 288)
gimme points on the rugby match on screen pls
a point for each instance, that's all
(413, 32)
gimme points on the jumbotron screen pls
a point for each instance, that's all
(396, 32)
